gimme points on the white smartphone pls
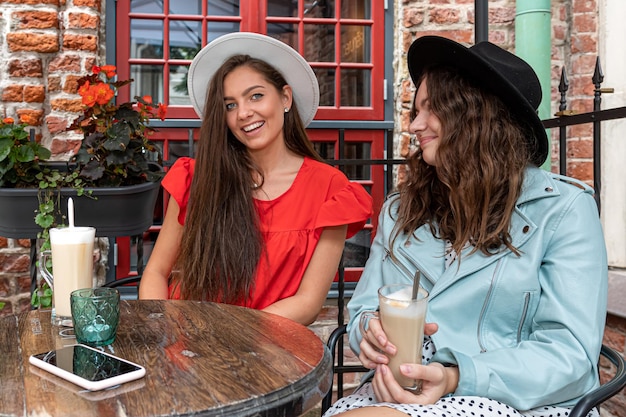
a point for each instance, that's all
(87, 367)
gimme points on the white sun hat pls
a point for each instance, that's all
(293, 67)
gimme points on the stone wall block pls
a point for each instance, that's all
(76, 42)
(22, 68)
(66, 104)
(36, 19)
(34, 93)
(94, 4)
(13, 93)
(57, 124)
(83, 21)
(14, 262)
(33, 2)
(68, 62)
(32, 42)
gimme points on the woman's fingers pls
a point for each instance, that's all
(377, 336)
(430, 329)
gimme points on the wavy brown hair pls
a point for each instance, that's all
(470, 195)
(221, 243)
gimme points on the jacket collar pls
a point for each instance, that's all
(537, 184)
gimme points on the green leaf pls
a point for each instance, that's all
(45, 221)
(25, 154)
(5, 148)
(92, 171)
(118, 137)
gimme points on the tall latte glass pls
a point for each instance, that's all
(403, 321)
(72, 267)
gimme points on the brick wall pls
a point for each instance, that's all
(46, 46)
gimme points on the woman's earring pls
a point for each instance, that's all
(286, 110)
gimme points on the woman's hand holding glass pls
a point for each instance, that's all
(437, 381)
(374, 343)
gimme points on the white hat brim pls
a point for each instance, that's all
(294, 68)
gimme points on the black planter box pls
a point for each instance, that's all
(115, 211)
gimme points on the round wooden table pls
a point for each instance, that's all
(201, 359)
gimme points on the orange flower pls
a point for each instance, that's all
(8, 120)
(109, 70)
(89, 96)
(84, 89)
(29, 119)
(162, 111)
(95, 69)
(103, 93)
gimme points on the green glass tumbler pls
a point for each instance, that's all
(96, 315)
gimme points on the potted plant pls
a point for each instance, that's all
(114, 176)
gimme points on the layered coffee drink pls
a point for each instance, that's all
(403, 321)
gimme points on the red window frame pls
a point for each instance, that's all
(253, 18)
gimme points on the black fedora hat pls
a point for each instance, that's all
(491, 67)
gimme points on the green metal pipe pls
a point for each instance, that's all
(533, 43)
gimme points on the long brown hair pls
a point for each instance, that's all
(221, 243)
(470, 195)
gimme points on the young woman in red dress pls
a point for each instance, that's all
(257, 219)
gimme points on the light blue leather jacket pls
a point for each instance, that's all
(523, 330)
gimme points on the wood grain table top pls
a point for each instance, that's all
(201, 359)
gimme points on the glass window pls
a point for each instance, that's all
(146, 6)
(187, 7)
(146, 38)
(148, 81)
(185, 39)
(222, 7)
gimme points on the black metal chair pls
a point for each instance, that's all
(592, 399)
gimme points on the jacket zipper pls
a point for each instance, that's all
(400, 266)
(523, 319)
(482, 311)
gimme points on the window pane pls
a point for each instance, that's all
(179, 95)
(148, 81)
(217, 29)
(146, 6)
(185, 7)
(283, 8)
(358, 150)
(355, 87)
(146, 38)
(185, 39)
(356, 9)
(320, 9)
(180, 148)
(326, 80)
(222, 8)
(325, 149)
(319, 43)
(355, 44)
(357, 249)
(284, 32)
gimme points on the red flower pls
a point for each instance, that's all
(89, 96)
(84, 89)
(8, 120)
(162, 111)
(103, 93)
(109, 70)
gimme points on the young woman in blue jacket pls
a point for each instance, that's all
(513, 256)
